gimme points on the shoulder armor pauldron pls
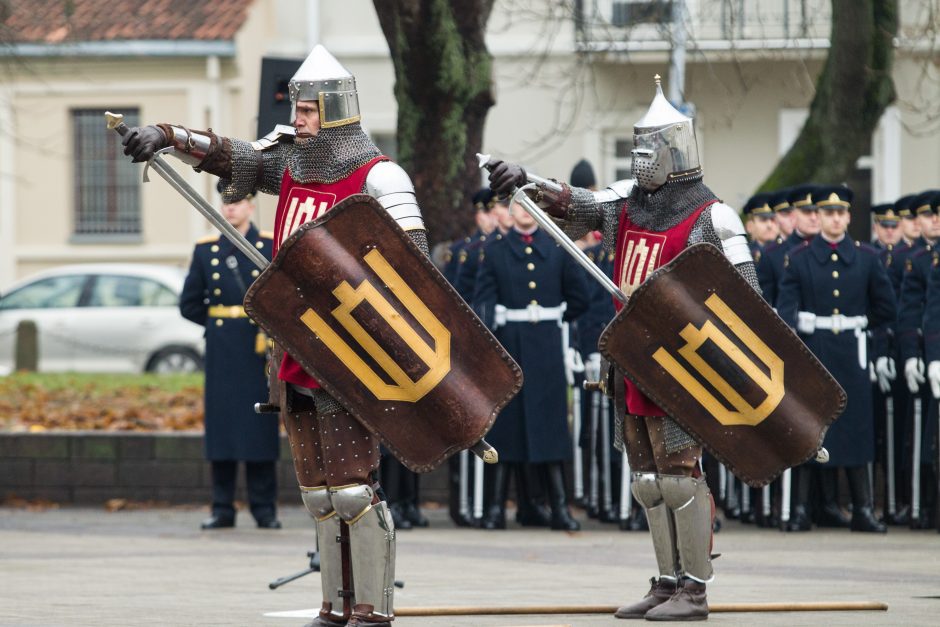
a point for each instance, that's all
(281, 133)
(618, 190)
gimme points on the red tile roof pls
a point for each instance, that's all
(61, 21)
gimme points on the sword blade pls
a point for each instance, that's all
(177, 182)
(559, 236)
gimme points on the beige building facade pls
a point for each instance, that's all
(563, 93)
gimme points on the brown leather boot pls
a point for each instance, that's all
(322, 621)
(660, 591)
(688, 603)
(363, 616)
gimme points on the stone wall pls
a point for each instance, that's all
(90, 467)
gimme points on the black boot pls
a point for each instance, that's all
(863, 519)
(799, 514)
(830, 514)
(561, 517)
(495, 517)
(528, 512)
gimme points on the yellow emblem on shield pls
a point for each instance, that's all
(743, 413)
(437, 359)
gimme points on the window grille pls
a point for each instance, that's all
(107, 186)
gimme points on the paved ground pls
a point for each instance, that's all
(154, 567)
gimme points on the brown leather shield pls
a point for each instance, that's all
(358, 305)
(706, 348)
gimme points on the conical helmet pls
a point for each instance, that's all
(664, 145)
(321, 78)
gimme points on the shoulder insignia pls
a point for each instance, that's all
(756, 256)
(786, 261)
(936, 258)
(266, 234)
(208, 239)
(908, 265)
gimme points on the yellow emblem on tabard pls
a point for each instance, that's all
(743, 413)
(437, 358)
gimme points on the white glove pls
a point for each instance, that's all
(872, 376)
(805, 322)
(933, 373)
(914, 373)
(885, 372)
(573, 364)
(592, 367)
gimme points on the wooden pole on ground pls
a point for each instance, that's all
(813, 606)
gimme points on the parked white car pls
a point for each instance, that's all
(108, 317)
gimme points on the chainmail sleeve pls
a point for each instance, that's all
(253, 170)
(420, 238)
(585, 213)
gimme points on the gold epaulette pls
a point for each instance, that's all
(208, 239)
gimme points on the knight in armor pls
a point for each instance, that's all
(322, 159)
(647, 222)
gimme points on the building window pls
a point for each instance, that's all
(633, 12)
(107, 187)
(621, 158)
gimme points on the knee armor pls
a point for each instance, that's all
(352, 501)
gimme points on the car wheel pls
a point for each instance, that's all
(174, 359)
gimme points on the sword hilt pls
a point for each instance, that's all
(485, 451)
(115, 122)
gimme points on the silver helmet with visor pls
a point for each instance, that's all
(665, 148)
(322, 79)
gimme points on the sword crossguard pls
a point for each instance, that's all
(162, 151)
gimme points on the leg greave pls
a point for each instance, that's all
(331, 568)
(647, 492)
(688, 499)
(372, 548)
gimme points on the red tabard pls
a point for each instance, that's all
(639, 252)
(300, 203)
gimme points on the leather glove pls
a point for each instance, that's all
(933, 373)
(885, 373)
(505, 177)
(141, 142)
(914, 373)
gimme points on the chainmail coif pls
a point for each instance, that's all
(331, 155)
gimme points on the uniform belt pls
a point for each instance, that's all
(808, 322)
(532, 314)
(227, 311)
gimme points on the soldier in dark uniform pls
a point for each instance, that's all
(910, 228)
(465, 280)
(834, 290)
(922, 259)
(890, 391)
(456, 253)
(919, 279)
(783, 212)
(235, 358)
(770, 269)
(770, 272)
(760, 223)
(526, 287)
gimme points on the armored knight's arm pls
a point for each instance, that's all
(388, 183)
(720, 225)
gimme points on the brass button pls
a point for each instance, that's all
(834, 257)
(255, 273)
(217, 292)
(215, 276)
(530, 266)
(531, 285)
(835, 312)
(214, 248)
(835, 274)
(214, 261)
(533, 302)
(528, 250)
(259, 244)
(835, 293)
(218, 322)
